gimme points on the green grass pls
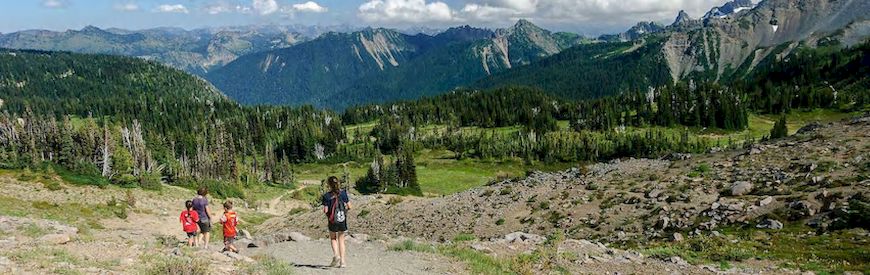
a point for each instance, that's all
(309, 194)
(159, 264)
(464, 237)
(263, 192)
(83, 216)
(267, 265)
(439, 174)
(760, 125)
(478, 262)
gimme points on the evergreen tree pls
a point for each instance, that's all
(780, 129)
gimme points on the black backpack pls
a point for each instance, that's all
(339, 210)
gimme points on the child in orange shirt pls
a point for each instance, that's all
(229, 220)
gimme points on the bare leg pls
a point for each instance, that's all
(333, 239)
(205, 240)
(341, 247)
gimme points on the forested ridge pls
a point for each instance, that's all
(136, 122)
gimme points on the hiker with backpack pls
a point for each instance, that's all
(335, 205)
(189, 219)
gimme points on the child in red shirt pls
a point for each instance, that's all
(188, 219)
(230, 220)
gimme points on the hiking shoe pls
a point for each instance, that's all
(343, 265)
(335, 262)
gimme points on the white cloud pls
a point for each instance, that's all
(129, 6)
(172, 8)
(590, 14)
(55, 4)
(595, 11)
(399, 11)
(309, 6)
(265, 7)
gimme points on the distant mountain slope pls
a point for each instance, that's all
(727, 44)
(196, 51)
(378, 65)
(60, 83)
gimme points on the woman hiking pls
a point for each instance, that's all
(200, 204)
(335, 205)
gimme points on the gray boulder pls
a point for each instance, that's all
(770, 224)
(298, 237)
(523, 237)
(740, 188)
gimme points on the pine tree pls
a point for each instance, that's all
(780, 129)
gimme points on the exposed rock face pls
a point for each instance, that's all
(724, 43)
(520, 44)
(381, 47)
(729, 8)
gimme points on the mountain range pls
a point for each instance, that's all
(720, 48)
(338, 67)
(197, 51)
(378, 65)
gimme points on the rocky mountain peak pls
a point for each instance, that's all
(524, 26)
(682, 18)
(465, 33)
(729, 8)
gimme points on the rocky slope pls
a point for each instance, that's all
(736, 38)
(807, 179)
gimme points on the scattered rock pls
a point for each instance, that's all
(804, 208)
(679, 156)
(678, 237)
(654, 193)
(237, 257)
(766, 201)
(246, 234)
(55, 239)
(523, 237)
(678, 261)
(770, 224)
(811, 127)
(359, 237)
(482, 248)
(298, 237)
(740, 188)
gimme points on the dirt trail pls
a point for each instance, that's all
(313, 257)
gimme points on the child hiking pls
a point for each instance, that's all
(230, 220)
(335, 205)
(189, 219)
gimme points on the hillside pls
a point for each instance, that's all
(756, 203)
(196, 51)
(130, 122)
(725, 47)
(61, 83)
(379, 65)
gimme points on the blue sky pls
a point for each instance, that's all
(583, 16)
